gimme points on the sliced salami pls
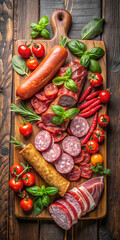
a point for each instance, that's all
(71, 145)
(52, 154)
(74, 175)
(74, 200)
(79, 126)
(86, 158)
(78, 197)
(43, 141)
(39, 106)
(86, 172)
(59, 136)
(79, 158)
(41, 95)
(64, 164)
(90, 198)
(61, 215)
(50, 90)
(84, 199)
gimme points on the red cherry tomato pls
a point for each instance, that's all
(103, 120)
(24, 51)
(16, 186)
(25, 129)
(95, 79)
(28, 179)
(26, 204)
(92, 146)
(38, 50)
(16, 169)
(104, 96)
(32, 63)
(98, 135)
(22, 194)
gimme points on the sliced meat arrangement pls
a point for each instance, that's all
(79, 126)
(59, 136)
(83, 198)
(86, 158)
(86, 171)
(64, 164)
(74, 175)
(71, 145)
(52, 154)
(43, 141)
(80, 157)
(39, 106)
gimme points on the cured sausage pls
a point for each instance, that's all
(43, 141)
(59, 136)
(86, 158)
(79, 158)
(73, 198)
(39, 106)
(50, 90)
(86, 172)
(52, 154)
(74, 175)
(44, 169)
(43, 73)
(71, 145)
(64, 164)
(79, 126)
(41, 95)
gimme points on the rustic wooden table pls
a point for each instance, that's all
(15, 18)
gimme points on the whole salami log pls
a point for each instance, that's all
(79, 73)
(44, 169)
(43, 73)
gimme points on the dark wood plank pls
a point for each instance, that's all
(28, 230)
(49, 230)
(111, 12)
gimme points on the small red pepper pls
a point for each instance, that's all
(91, 112)
(97, 102)
(92, 95)
(86, 104)
(85, 94)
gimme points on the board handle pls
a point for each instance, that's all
(60, 21)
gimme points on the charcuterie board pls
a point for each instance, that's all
(60, 21)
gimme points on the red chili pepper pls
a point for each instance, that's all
(91, 112)
(92, 95)
(86, 104)
(97, 102)
(85, 94)
(93, 126)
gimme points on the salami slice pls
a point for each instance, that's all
(64, 164)
(41, 95)
(71, 145)
(79, 158)
(50, 90)
(86, 172)
(52, 154)
(84, 199)
(74, 175)
(90, 198)
(39, 106)
(86, 158)
(79, 126)
(61, 215)
(43, 140)
(59, 136)
(74, 200)
(78, 197)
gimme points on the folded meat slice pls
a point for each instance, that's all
(89, 198)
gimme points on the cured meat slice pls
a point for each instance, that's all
(71, 145)
(39, 106)
(70, 208)
(52, 154)
(86, 172)
(61, 215)
(50, 90)
(83, 201)
(69, 131)
(59, 136)
(64, 164)
(90, 198)
(79, 158)
(41, 95)
(79, 73)
(79, 126)
(74, 175)
(43, 140)
(86, 158)
(73, 198)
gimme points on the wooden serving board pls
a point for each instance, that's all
(60, 21)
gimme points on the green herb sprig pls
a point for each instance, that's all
(100, 169)
(40, 28)
(19, 65)
(92, 29)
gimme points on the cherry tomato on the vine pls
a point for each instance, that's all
(103, 120)
(38, 50)
(26, 204)
(95, 79)
(96, 158)
(104, 96)
(28, 179)
(25, 129)
(16, 169)
(92, 146)
(24, 51)
(98, 135)
(32, 63)
(22, 194)
(15, 185)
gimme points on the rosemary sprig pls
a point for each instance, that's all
(16, 141)
(28, 114)
(100, 169)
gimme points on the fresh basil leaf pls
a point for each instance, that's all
(51, 190)
(59, 111)
(93, 28)
(68, 73)
(43, 188)
(71, 113)
(57, 120)
(35, 191)
(58, 81)
(71, 85)
(45, 200)
(37, 205)
(43, 22)
(85, 61)
(45, 33)
(34, 34)
(76, 47)
(19, 65)
(35, 27)
(96, 52)
(94, 66)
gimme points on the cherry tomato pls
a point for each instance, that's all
(16, 169)
(98, 135)
(22, 194)
(24, 51)
(26, 204)
(28, 179)
(95, 79)
(25, 129)
(32, 63)
(96, 158)
(104, 96)
(16, 186)
(103, 120)
(92, 146)
(38, 50)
